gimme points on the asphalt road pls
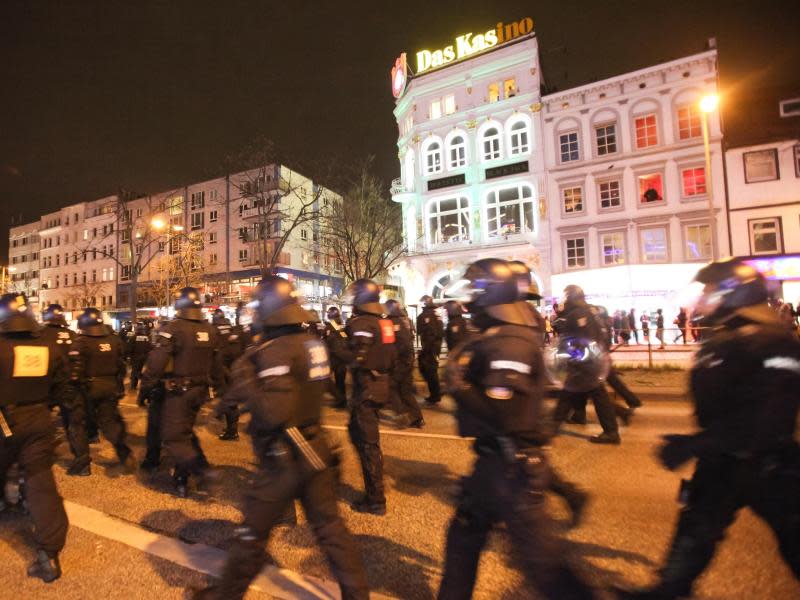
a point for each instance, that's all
(623, 538)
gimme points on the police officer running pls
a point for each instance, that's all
(97, 369)
(497, 382)
(745, 382)
(456, 331)
(231, 348)
(336, 339)
(401, 381)
(187, 358)
(282, 381)
(430, 331)
(32, 371)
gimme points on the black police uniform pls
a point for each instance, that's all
(337, 341)
(97, 368)
(62, 337)
(138, 349)
(499, 400)
(231, 343)
(401, 383)
(32, 372)
(456, 331)
(185, 360)
(430, 331)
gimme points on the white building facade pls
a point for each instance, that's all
(23, 261)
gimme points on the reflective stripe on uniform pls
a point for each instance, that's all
(274, 371)
(364, 334)
(510, 365)
(785, 363)
(165, 334)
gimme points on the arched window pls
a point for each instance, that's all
(490, 144)
(448, 220)
(457, 153)
(519, 137)
(510, 211)
(433, 158)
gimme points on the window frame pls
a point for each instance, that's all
(585, 245)
(484, 138)
(774, 153)
(562, 199)
(613, 232)
(692, 107)
(640, 195)
(600, 184)
(197, 216)
(435, 102)
(577, 151)
(522, 132)
(778, 235)
(685, 227)
(796, 155)
(642, 231)
(597, 146)
(636, 138)
(465, 215)
(462, 147)
(427, 153)
(213, 216)
(498, 204)
(682, 173)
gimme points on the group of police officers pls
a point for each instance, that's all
(744, 384)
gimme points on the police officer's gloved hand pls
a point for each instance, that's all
(677, 450)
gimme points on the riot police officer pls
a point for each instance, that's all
(282, 381)
(578, 322)
(32, 371)
(430, 331)
(97, 370)
(186, 359)
(370, 354)
(231, 347)
(56, 332)
(456, 331)
(497, 382)
(401, 380)
(336, 339)
(744, 382)
(139, 347)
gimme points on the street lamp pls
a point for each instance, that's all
(709, 104)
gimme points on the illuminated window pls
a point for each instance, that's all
(491, 144)
(760, 165)
(689, 125)
(694, 181)
(494, 92)
(606, 136)
(435, 109)
(572, 199)
(610, 194)
(510, 88)
(433, 158)
(509, 211)
(457, 152)
(612, 246)
(575, 252)
(519, 138)
(765, 236)
(698, 242)
(449, 104)
(654, 245)
(646, 131)
(568, 143)
(651, 188)
(448, 220)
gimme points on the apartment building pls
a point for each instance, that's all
(23, 260)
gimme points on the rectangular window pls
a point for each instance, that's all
(568, 143)
(243, 255)
(651, 188)
(435, 109)
(449, 104)
(303, 234)
(494, 92)
(760, 165)
(573, 199)
(509, 211)
(198, 200)
(694, 181)
(646, 131)
(610, 194)
(612, 246)
(654, 245)
(575, 252)
(212, 237)
(510, 88)
(449, 220)
(698, 242)
(689, 125)
(797, 160)
(213, 216)
(765, 235)
(197, 220)
(161, 246)
(606, 139)
(212, 259)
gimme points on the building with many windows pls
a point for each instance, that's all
(23, 261)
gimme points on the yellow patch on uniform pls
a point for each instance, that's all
(31, 361)
(499, 393)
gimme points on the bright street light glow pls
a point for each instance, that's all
(158, 224)
(709, 103)
(177, 227)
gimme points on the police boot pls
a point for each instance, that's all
(128, 462)
(606, 438)
(229, 435)
(365, 505)
(149, 464)
(79, 469)
(45, 567)
(181, 485)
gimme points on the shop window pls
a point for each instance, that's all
(458, 152)
(568, 144)
(612, 246)
(694, 181)
(509, 211)
(698, 242)
(433, 158)
(610, 194)
(689, 124)
(491, 143)
(575, 252)
(448, 220)
(646, 131)
(651, 188)
(765, 235)
(435, 109)
(519, 138)
(572, 200)
(760, 165)
(654, 245)
(494, 92)
(510, 88)
(606, 136)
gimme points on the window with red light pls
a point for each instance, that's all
(689, 122)
(694, 181)
(646, 131)
(651, 188)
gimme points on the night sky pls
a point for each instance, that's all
(146, 96)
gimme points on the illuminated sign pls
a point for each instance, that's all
(779, 268)
(399, 76)
(469, 44)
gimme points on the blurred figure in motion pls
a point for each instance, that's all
(431, 332)
(456, 331)
(336, 340)
(401, 382)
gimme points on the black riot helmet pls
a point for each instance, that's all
(142, 328)
(495, 292)
(91, 323)
(188, 305)
(16, 315)
(275, 303)
(394, 308)
(54, 315)
(528, 288)
(334, 314)
(574, 293)
(427, 301)
(365, 295)
(732, 286)
(454, 309)
(218, 317)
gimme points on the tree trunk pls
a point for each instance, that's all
(133, 292)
